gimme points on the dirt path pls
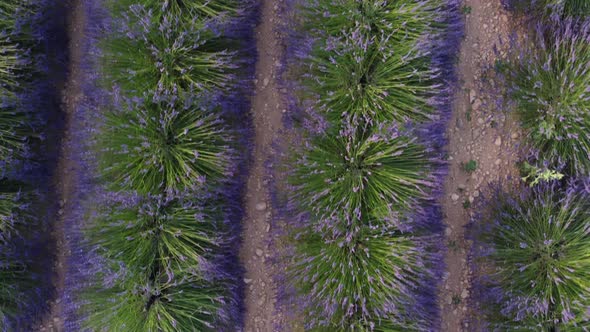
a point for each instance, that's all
(479, 130)
(65, 180)
(267, 105)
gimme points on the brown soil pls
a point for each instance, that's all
(482, 131)
(64, 183)
(267, 105)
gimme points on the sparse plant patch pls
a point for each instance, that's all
(470, 166)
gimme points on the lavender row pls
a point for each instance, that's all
(30, 64)
(166, 107)
(372, 103)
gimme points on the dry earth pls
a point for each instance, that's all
(479, 130)
(267, 111)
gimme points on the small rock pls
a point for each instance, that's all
(265, 82)
(480, 121)
(514, 135)
(247, 281)
(498, 162)
(472, 96)
(462, 186)
(454, 197)
(259, 252)
(464, 294)
(476, 104)
(498, 141)
(266, 227)
(448, 231)
(261, 206)
(476, 193)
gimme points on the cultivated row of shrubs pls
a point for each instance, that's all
(365, 227)
(24, 104)
(535, 241)
(160, 224)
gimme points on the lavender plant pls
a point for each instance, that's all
(367, 58)
(168, 303)
(162, 269)
(15, 62)
(551, 85)
(363, 74)
(554, 8)
(176, 232)
(171, 144)
(365, 280)
(14, 279)
(401, 21)
(166, 55)
(538, 244)
(187, 9)
(377, 168)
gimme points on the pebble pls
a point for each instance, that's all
(498, 162)
(476, 193)
(464, 294)
(261, 206)
(514, 135)
(472, 96)
(265, 82)
(247, 281)
(259, 252)
(498, 141)
(476, 104)
(454, 197)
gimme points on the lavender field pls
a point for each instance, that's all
(294, 165)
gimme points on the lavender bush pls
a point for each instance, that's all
(169, 144)
(537, 244)
(551, 89)
(553, 8)
(375, 168)
(370, 58)
(165, 54)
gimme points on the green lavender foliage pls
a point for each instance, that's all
(161, 227)
(539, 251)
(359, 283)
(551, 88)
(165, 53)
(15, 67)
(189, 303)
(186, 9)
(554, 8)
(377, 168)
(145, 232)
(368, 61)
(166, 145)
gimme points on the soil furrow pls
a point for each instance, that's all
(267, 105)
(482, 136)
(65, 181)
